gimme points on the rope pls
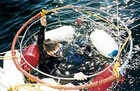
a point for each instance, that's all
(44, 11)
(29, 87)
(2, 53)
(116, 69)
(8, 57)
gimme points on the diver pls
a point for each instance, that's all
(71, 62)
(49, 59)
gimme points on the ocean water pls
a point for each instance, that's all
(14, 13)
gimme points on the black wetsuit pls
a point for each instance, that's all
(46, 63)
(75, 62)
(68, 66)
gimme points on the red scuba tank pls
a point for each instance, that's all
(31, 55)
(102, 76)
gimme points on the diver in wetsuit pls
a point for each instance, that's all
(48, 58)
(70, 63)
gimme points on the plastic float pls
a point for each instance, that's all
(63, 33)
(101, 76)
(104, 43)
(31, 53)
(99, 81)
(11, 76)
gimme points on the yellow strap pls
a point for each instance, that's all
(116, 69)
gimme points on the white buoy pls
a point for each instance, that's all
(63, 33)
(11, 75)
(104, 43)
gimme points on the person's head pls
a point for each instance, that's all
(52, 48)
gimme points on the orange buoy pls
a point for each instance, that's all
(100, 77)
(31, 55)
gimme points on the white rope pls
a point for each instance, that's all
(135, 26)
(117, 16)
(136, 1)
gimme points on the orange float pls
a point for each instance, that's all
(31, 54)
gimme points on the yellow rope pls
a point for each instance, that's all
(116, 69)
(27, 86)
(29, 80)
(124, 44)
(8, 57)
(93, 14)
(43, 12)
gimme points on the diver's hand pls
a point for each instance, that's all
(80, 76)
(43, 20)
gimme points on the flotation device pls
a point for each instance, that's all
(104, 43)
(31, 55)
(100, 77)
(11, 75)
(63, 33)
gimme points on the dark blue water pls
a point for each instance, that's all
(14, 13)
